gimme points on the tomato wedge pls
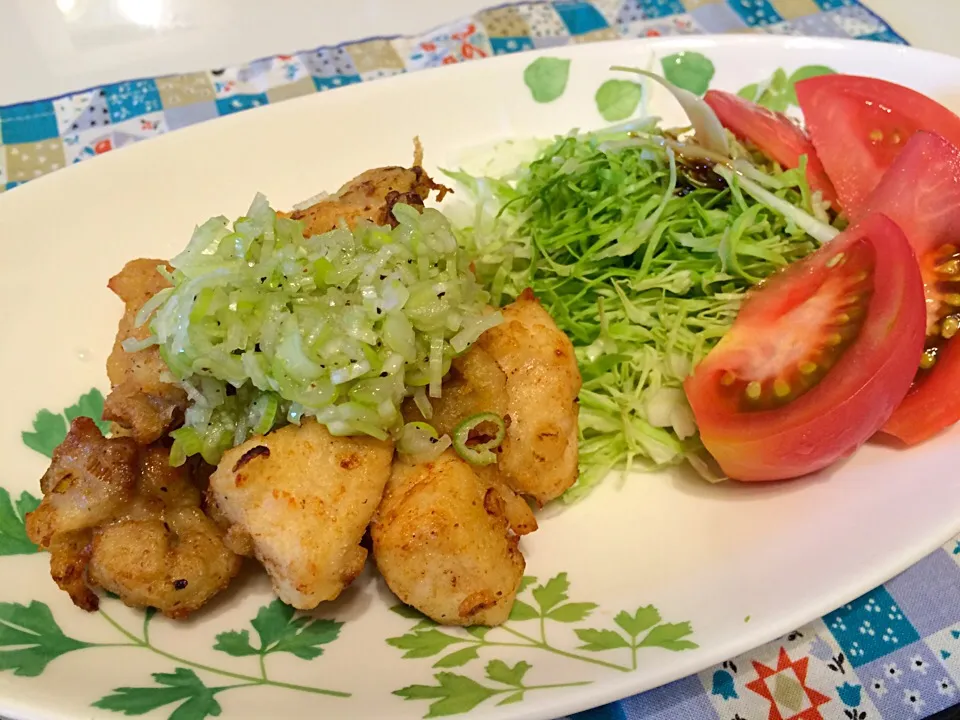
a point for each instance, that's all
(859, 125)
(774, 134)
(921, 193)
(817, 359)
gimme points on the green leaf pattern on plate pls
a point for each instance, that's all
(49, 428)
(547, 78)
(618, 99)
(689, 70)
(13, 533)
(778, 92)
(546, 603)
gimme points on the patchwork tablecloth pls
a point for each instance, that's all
(893, 653)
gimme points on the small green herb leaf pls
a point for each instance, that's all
(424, 643)
(500, 672)
(547, 78)
(669, 636)
(523, 611)
(804, 73)
(280, 631)
(572, 612)
(181, 685)
(689, 70)
(478, 631)
(91, 406)
(618, 99)
(597, 640)
(458, 658)
(49, 429)
(776, 95)
(644, 619)
(454, 695)
(35, 637)
(405, 611)
(305, 637)
(525, 582)
(13, 534)
(272, 621)
(236, 643)
(553, 593)
(515, 697)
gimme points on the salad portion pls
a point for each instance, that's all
(663, 254)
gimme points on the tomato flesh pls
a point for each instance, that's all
(921, 193)
(774, 134)
(817, 359)
(860, 125)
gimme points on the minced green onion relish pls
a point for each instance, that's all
(264, 327)
(642, 258)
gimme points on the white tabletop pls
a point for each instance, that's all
(50, 47)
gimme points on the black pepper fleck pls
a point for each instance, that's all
(179, 584)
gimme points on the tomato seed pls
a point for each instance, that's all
(928, 358)
(808, 368)
(876, 135)
(842, 319)
(834, 339)
(952, 299)
(781, 388)
(835, 260)
(951, 267)
(951, 324)
(728, 379)
(753, 390)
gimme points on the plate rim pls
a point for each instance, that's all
(613, 688)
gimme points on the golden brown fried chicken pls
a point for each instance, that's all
(475, 384)
(303, 498)
(141, 401)
(118, 516)
(369, 196)
(446, 540)
(539, 455)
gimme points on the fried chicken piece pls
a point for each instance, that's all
(539, 455)
(370, 196)
(475, 384)
(141, 401)
(304, 498)
(446, 541)
(117, 516)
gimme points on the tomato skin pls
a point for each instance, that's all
(856, 396)
(860, 125)
(921, 193)
(774, 133)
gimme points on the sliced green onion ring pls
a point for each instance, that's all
(420, 439)
(481, 453)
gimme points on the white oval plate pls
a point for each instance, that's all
(740, 564)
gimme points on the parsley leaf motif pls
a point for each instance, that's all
(49, 429)
(423, 643)
(30, 638)
(546, 78)
(553, 593)
(280, 631)
(13, 534)
(181, 686)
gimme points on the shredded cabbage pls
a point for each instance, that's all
(264, 327)
(641, 252)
